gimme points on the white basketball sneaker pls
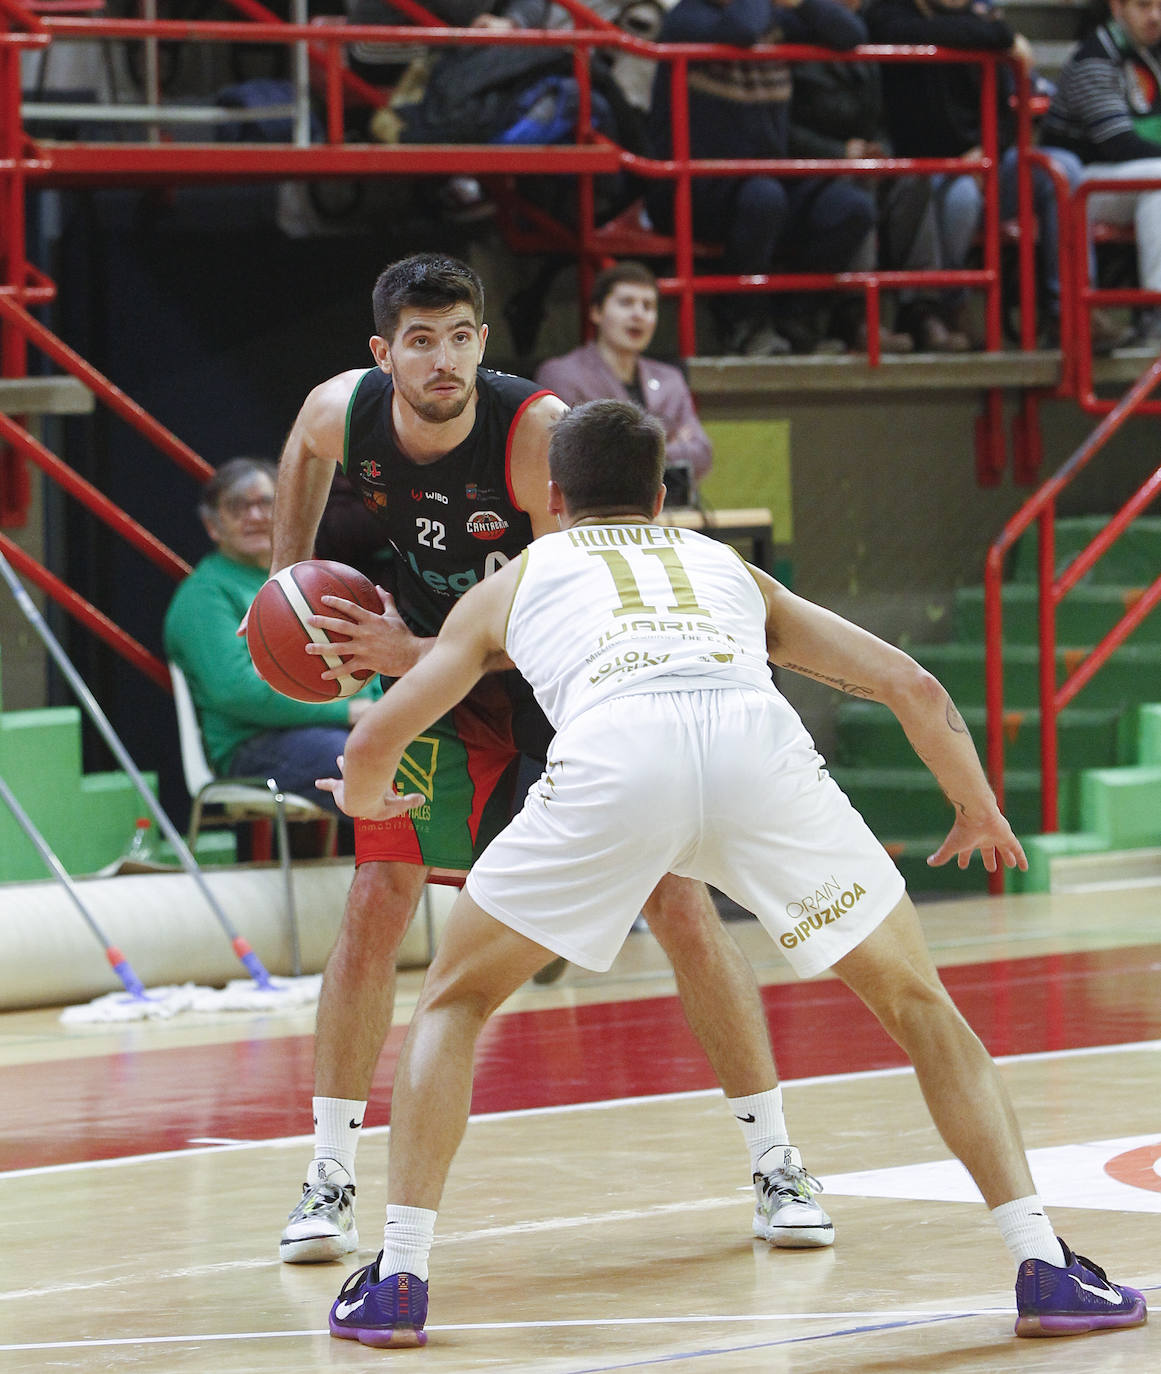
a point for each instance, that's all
(785, 1211)
(322, 1226)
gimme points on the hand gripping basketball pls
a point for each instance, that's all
(278, 629)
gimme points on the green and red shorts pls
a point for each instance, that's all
(466, 767)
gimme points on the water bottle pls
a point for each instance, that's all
(140, 850)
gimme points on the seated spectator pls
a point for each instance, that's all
(474, 76)
(623, 307)
(384, 63)
(740, 110)
(836, 111)
(1107, 110)
(249, 729)
(933, 110)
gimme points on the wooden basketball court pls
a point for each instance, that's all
(598, 1216)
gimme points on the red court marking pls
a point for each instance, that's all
(143, 1101)
(1138, 1168)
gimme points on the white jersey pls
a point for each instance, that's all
(613, 610)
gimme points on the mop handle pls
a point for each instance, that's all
(250, 960)
(121, 966)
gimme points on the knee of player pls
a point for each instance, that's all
(456, 990)
(916, 1007)
(381, 902)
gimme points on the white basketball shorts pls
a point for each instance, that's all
(719, 784)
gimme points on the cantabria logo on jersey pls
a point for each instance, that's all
(830, 902)
(486, 524)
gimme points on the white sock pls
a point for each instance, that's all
(762, 1122)
(337, 1122)
(1027, 1232)
(408, 1233)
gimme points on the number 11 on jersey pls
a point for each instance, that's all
(632, 602)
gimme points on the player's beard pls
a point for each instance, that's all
(437, 410)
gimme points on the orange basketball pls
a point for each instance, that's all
(277, 632)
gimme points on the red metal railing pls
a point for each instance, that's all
(591, 155)
(24, 161)
(1053, 587)
(1088, 297)
(24, 446)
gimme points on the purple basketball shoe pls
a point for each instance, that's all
(388, 1312)
(1056, 1301)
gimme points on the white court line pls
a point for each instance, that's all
(607, 1104)
(706, 1319)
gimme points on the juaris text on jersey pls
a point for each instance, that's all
(685, 628)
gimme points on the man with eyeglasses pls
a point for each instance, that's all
(248, 729)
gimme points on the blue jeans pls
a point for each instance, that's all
(807, 224)
(959, 203)
(294, 759)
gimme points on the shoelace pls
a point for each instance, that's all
(1088, 1264)
(792, 1182)
(356, 1279)
(319, 1195)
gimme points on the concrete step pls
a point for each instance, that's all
(1122, 804)
(907, 802)
(86, 818)
(868, 735)
(1106, 871)
(720, 382)
(1129, 678)
(45, 396)
(1133, 561)
(1085, 615)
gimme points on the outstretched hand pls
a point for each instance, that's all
(390, 805)
(377, 641)
(988, 832)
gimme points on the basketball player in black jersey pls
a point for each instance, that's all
(453, 460)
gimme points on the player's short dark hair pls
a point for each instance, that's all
(232, 474)
(607, 456)
(429, 281)
(621, 273)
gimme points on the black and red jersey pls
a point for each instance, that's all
(451, 522)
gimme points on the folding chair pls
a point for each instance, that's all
(242, 800)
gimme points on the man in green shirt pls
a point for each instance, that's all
(248, 728)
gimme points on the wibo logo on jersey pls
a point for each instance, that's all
(486, 524)
(429, 496)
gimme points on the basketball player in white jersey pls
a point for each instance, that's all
(647, 648)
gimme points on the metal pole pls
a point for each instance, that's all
(300, 13)
(152, 70)
(250, 960)
(120, 965)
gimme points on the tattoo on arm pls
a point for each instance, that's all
(852, 689)
(954, 719)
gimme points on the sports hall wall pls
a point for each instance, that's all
(205, 311)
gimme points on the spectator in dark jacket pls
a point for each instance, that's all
(739, 109)
(933, 110)
(1107, 109)
(836, 111)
